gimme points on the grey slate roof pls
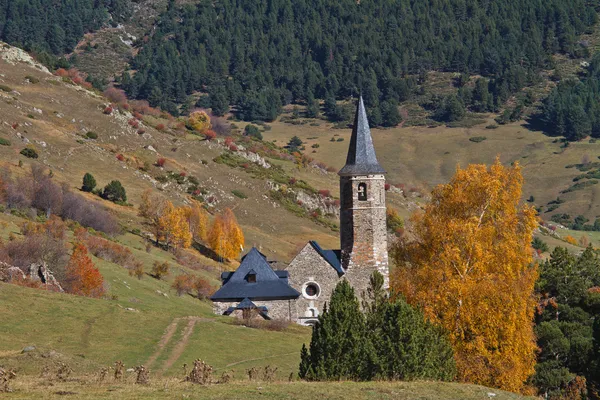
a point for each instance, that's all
(269, 285)
(333, 257)
(361, 159)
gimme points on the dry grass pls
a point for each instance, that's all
(88, 387)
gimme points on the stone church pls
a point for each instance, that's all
(300, 292)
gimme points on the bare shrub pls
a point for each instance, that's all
(37, 248)
(47, 196)
(143, 375)
(201, 373)
(108, 250)
(203, 288)
(160, 270)
(115, 95)
(103, 374)
(19, 193)
(63, 372)
(220, 126)
(119, 366)
(6, 375)
(226, 377)
(137, 269)
(269, 373)
(252, 373)
(183, 284)
(77, 208)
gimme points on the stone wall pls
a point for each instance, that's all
(363, 230)
(277, 309)
(309, 267)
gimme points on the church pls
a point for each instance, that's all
(299, 292)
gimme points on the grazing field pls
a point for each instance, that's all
(175, 389)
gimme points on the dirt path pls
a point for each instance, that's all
(164, 340)
(179, 346)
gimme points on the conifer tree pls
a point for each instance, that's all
(89, 183)
(339, 348)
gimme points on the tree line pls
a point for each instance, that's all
(572, 109)
(261, 55)
(55, 26)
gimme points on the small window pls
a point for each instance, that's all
(251, 278)
(362, 191)
(311, 290)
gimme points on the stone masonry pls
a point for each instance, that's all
(308, 267)
(363, 232)
(277, 309)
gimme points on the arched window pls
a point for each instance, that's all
(362, 191)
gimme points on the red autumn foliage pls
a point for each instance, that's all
(245, 165)
(233, 147)
(161, 162)
(228, 141)
(108, 110)
(293, 181)
(15, 125)
(137, 115)
(210, 134)
(126, 106)
(299, 202)
(161, 127)
(82, 277)
(182, 173)
(324, 193)
(120, 157)
(141, 131)
(61, 72)
(387, 187)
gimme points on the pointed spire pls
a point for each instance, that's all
(361, 159)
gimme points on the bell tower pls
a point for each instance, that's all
(363, 231)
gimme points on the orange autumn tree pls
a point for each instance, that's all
(82, 277)
(226, 237)
(469, 267)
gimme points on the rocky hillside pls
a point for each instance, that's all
(76, 130)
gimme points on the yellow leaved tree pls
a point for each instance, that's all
(226, 237)
(199, 121)
(197, 219)
(174, 225)
(152, 207)
(469, 267)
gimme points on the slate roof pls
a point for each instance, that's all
(269, 285)
(333, 257)
(361, 159)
